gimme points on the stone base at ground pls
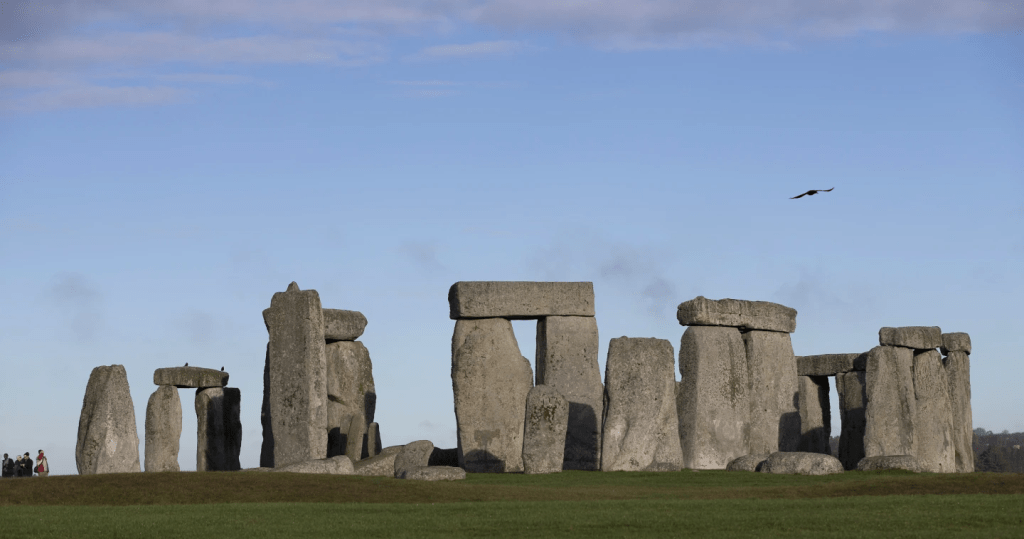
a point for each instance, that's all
(435, 473)
(382, 465)
(802, 464)
(340, 465)
(889, 462)
(747, 463)
(547, 416)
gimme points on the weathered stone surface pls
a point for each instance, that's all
(297, 377)
(773, 394)
(802, 464)
(435, 473)
(342, 325)
(815, 415)
(373, 445)
(747, 463)
(490, 381)
(641, 428)
(889, 462)
(520, 300)
(350, 385)
(444, 457)
(712, 402)
(340, 465)
(830, 364)
(163, 430)
(547, 416)
(382, 464)
(190, 377)
(413, 456)
(891, 405)
(955, 342)
(218, 429)
(107, 439)
(958, 372)
(917, 337)
(738, 313)
(567, 361)
(852, 389)
(933, 422)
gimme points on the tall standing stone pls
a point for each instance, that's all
(567, 361)
(852, 389)
(958, 372)
(353, 397)
(297, 376)
(714, 409)
(490, 381)
(933, 423)
(815, 415)
(774, 392)
(163, 430)
(218, 429)
(108, 441)
(267, 447)
(547, 416)
(891, 406)
(641, 425)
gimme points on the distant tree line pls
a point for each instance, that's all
(992, 452)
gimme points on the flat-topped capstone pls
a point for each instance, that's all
(190, 377)
(916, 337)
(830, 364)
(738, 313)
(342, 325)
(520, 300)
(955, 342)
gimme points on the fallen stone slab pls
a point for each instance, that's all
(444, 457)
(351, 390)
(218, 429)
(958, 372)
(342, 325)
(917, 337)
(773, 393)
(413, 456)
(382, 464)
(737, 313)
(520, 300)
(933, 422)
(107, 438)
(547, 416)
(815, 415)
(340, 465)
(955, 342)
(190, 377)
(747, 463)
(163, 430)
(889, 462)
(435, 473)
(852, 390)
(892, 406)
(830, 364)
(802, 464)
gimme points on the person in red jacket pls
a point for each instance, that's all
(42, 466)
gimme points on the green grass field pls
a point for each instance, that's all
(570, 504)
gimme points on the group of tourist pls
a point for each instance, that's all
(22, 466)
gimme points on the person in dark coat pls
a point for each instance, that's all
(26, 464)
(8, 466)
(17, 467)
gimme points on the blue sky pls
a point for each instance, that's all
(165, 167)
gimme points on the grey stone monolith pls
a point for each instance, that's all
(852, 390)
(802, 464)
(641, 426)
(218, 429)
(933, 422)
(955, 342)
(917, 337)
(352, 395)
(889, 462)
(714, 410)
(381, 464)
(747, 463)
(339, 465)
(435, 473)
(738, 313)
(413, 456)
(815, 415)
(297, 377)
(108, 441)
(163, 430)
(520, 300)
(190, 377)
(567, 361)
(891, 405)
(958, 372)
(774, 392)
(830, 364)
(342, 325)
(547, 416)
(490, 381)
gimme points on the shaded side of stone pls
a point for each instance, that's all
(852, 389)
(641, 423)
(747, 463)
(802, 464)
(933, 422)
(955, 342)
(891, 404)
(490, 381)
(444, 457)
(190, 377)
(773, 392)
(342, 325)
(567, 361)
(218, 429)
(815, 415)
(520, 300)
(413, 456)
(762, 315)
(108, 441)
(547, 416)
(712, 400)
(830, 364)
(917, 337)
(163, 430)
(352, 395)
(889, 462)
(373, 445)
(267, 447)
(958, 372)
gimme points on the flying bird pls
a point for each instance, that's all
(812, 192)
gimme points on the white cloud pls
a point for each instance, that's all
(90, 96)
(480, 48)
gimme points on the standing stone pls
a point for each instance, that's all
(738, 313)
(933, 423)
(958, 372)
(297, 373)
(641, 426)
(342, 325)
(352, 395)
(373, 444)
(852, 389)
(774, 392)
(891, 406)
(547, 416)
(107, 439)
(490, 381)
(815, 415)
(218, 429)
(917, 337)
(714, 410)
(163, 430)
(267, 447)
(567, 361)
(520, 300)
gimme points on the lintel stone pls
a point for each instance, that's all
(747, 315)
(190, 377)
(955, 342)
(342, 325)
(830, 364)
(916, 337)
(520, 300)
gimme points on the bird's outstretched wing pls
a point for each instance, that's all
(826, 190)
(798, 196)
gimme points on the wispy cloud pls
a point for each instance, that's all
(91, 96)
(423, 254)
(480, 48)
(77, 300)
